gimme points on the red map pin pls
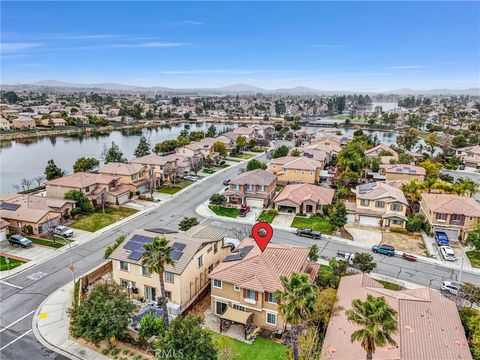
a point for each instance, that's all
(262, 233)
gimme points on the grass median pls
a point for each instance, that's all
(12, 263)
(174, 188)
(224, 211)
(98, 220)
(58, 243)
(314, 222)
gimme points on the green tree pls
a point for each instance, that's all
(104, 314)
(471, 293)
(431, 140)
(377, 321)
(339, 215)
(313, 253)
(297, 303)
(241, 142)
(279, 152)
(375, 164)
(185, 339)
(342, 191)
(165, 147)
(330, 276)
(473, 238)
(143, 148)
(52, 171)
(415, 222)
(220, 148)
(196, 135)
(364, 262)
(157, 255)
(82, 201)
(295, 152)
(11, 97)
(256, 164)
(150, 325)
(85, 164)
(211, 131)
(114, 154)
(187, 222)
(408, 138)
(468, 186)
(218, 199)
(431, 167)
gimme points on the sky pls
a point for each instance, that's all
(361, 46)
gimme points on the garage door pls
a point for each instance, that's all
(452, 234)
(369, 221)
(255, 203)
(351, 218)
(287, 209)
(122, 199)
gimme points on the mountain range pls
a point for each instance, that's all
(240, 89)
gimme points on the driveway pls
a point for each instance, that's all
(365, 235)
(283, 220)
(32, 253)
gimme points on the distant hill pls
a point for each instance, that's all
(245, 89)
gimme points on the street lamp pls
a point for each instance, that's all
(71, 267)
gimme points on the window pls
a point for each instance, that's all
(270, 298)
(364, 202)
(236, 187)
(236, 287)
(210, 268)
(127, 284)
(250, 294)
(249, 187)
(145, 271)
(239, 307)
(87, 189)
(150, 293)
(261, 187)
(200, 261)
(217, 283)
(396, 207)
(456, 217)
(168, 294)
(397, 222)
(311, 172)
(380, 204)
(123, 266)
(220, 307)
(441, 217)
(271, 318)
(303, 172)
(169, 277)
(215, 248)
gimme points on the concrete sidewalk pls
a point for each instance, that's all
(50, 326)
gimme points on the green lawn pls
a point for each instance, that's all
(389, 285)
(347, 117)
(243, 156)
(258, 149)
(12, 263)
(172, 189)
(98, 220)
(224, 211)
(315, 222)
(267, 216)
(474, 257)
(260, 349)
(208, 171)
(223, 166)
(45, 242)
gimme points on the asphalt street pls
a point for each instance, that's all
(21, 294)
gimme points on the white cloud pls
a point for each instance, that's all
(150, 44)
(406, 67)
(18, 46)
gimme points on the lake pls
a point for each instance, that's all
(27, 158)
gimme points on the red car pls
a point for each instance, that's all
(244, 210)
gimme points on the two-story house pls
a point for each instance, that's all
(291, 169)
(402, 172)
(247, 132)
(196, 253)
(254, 188)
(161, 168)
(470, 155)
(379, 205)
(385, 153)
(453, 214)
(98, 188)
(243, 285)
(135, 176)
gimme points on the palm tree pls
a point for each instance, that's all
(412, 191)
(155, 258)
(377, 321)
(468, 186)
(297, 303)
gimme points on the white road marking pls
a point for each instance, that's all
(9, 284)
(37, 276)
(18, 338)
(16, 321)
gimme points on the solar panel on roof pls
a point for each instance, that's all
(132, 245)
(9, 206)
(412, 171)
(175, 254)
(245, 250)
(141, 239)
(233, 257)
(179, 246)
(135, 255)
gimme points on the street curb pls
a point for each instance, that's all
(39, 336)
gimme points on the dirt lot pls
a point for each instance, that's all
(412, 244)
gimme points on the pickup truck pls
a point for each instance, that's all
(384, 250)
(345, 256)
(309, 233)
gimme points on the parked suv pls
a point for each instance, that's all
(448, 253)
(20, 241)
(63, 231)
(384, 250)
(441, 238)
(450, 287)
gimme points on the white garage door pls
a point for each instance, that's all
(3, 235)
(255, 203)
(123, 199)
(351, 218)
(369, 221)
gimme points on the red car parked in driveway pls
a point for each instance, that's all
(244, 210)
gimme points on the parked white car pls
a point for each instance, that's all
(63, 231)
(450, 287)
(448, 253)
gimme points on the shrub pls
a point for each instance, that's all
(218, 199)
(75, 211)
(399, 230)
(415, 222)
(150, 325)
(29, 229)
(428, 228)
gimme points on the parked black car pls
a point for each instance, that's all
(309, 233)
(20, 241)
(226, 182)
